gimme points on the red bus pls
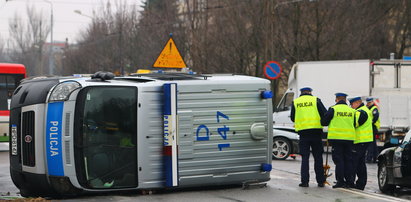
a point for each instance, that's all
(10, 77)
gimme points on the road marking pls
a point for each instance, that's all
(289, 174)
(372, 195)
(287, 171)
(277, 177)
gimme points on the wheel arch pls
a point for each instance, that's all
(290, 144)
(387, 159)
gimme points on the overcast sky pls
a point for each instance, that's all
(67, 23)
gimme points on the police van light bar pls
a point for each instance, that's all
(62, 91)
(266, 94)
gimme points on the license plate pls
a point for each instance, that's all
(14, 140)
(380, 144)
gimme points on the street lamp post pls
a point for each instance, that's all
(120, 40)
(82, 14)
(51, 57)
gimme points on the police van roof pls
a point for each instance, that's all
(171, 76)
(159, 78)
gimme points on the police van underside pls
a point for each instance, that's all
(80, 135)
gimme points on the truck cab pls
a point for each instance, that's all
(281, 115)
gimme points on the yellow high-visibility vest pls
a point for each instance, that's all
(306, 113)
(364, 133)
(377, 123)
(341, 127)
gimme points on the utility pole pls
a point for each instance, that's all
(51, 51)
(121, 48)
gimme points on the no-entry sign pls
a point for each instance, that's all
(272, 70)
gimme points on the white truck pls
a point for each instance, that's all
(386, 80)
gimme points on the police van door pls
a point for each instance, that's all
(106, 137)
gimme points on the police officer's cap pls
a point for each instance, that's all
(341, 95)
(306, 89)
(354, 99)
(369, 99)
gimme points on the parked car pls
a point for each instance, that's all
(394, 166)
(285, 142)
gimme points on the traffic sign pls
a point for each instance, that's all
(272, 70)
(170, 57)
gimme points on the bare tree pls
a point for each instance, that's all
(28, 39)
(156, 22)
(2, 52)
(241, 36)
(110, 43)
(400, 20)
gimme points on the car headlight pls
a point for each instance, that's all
(63, 90)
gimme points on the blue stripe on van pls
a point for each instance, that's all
(168, 162)
(170, 134)
(167, 99)
(54, 139)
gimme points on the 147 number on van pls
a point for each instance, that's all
(222, 131)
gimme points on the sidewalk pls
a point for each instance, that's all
(4, 146)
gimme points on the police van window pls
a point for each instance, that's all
(107, 136)
(286, 101)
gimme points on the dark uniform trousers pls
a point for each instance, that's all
(342, 157)
(311, 138)
(360, 169)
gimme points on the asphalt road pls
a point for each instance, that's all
(283, 186)
(292, 167)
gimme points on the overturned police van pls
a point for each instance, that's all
(72, 135)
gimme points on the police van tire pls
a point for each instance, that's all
(281, 148)
(383, 178)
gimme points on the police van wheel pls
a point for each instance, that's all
(281, 148)
(383, 178)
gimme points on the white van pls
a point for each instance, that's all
(167, 130)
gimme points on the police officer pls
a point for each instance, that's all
(306, 112)
(340, 120)
(363, 136)
(372, 150)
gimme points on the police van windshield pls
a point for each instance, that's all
(106, 137)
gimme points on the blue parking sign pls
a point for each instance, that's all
(272, 70)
